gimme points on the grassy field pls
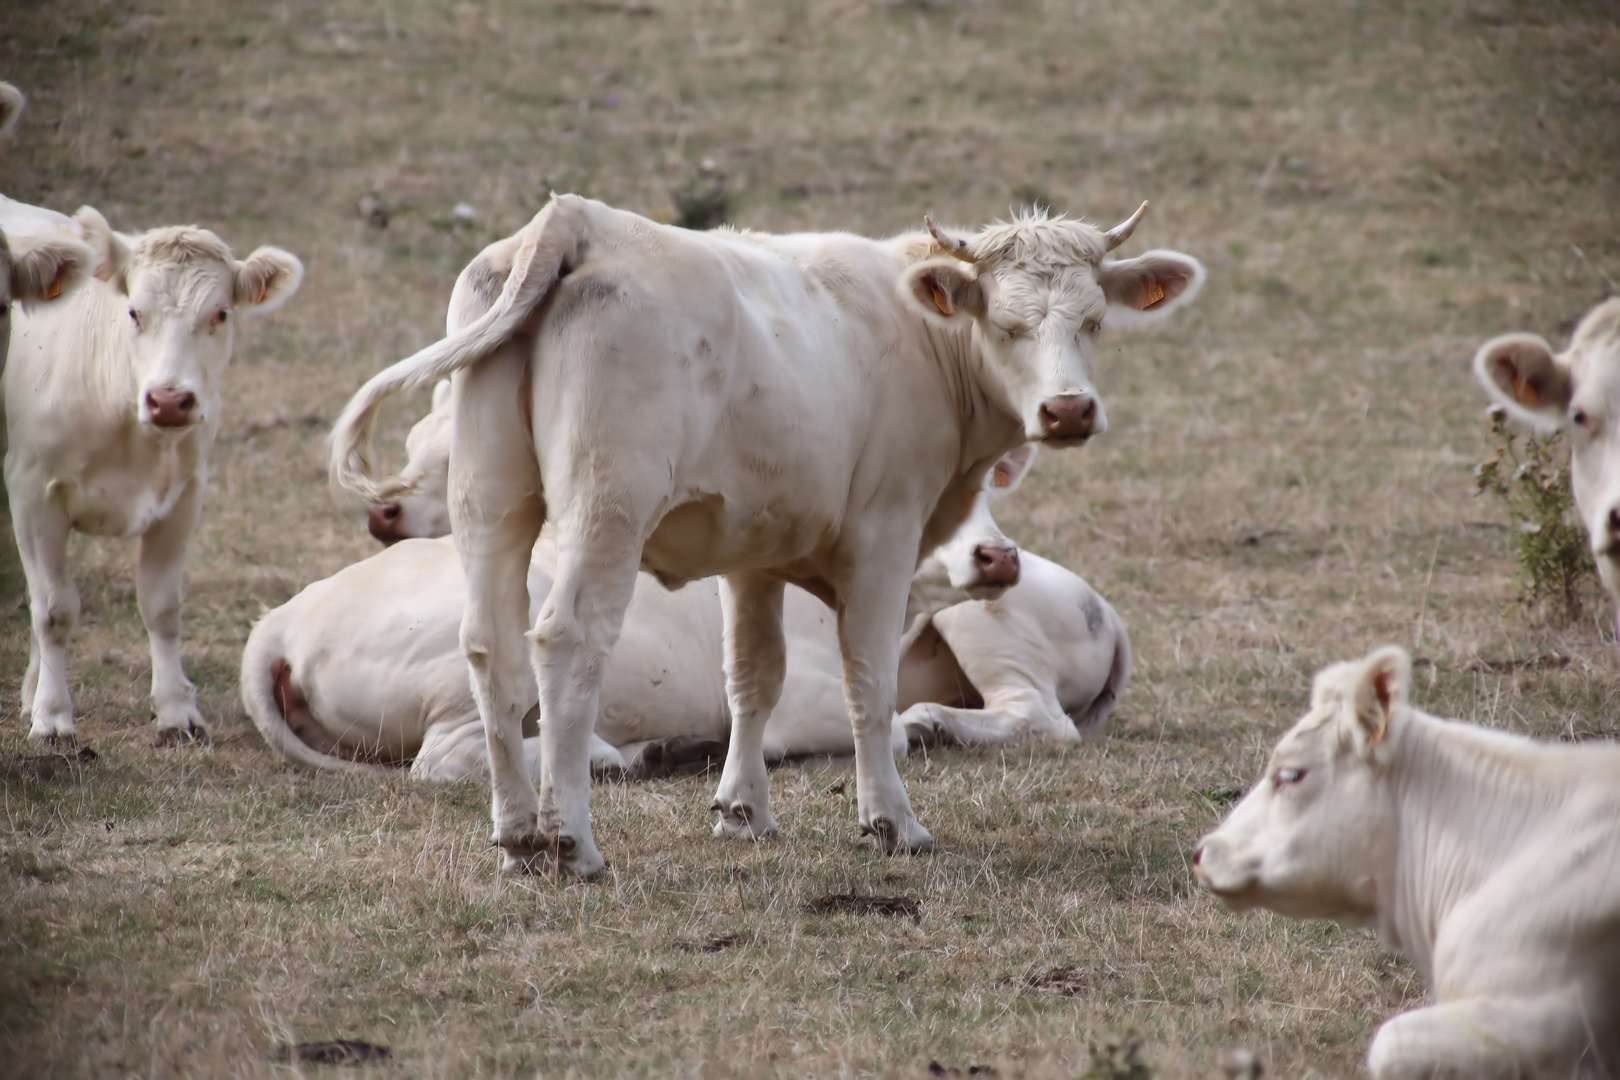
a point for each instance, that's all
(1376, 187)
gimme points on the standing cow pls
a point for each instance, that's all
(1577, 390)
(763, 407)
(113, 400)
(1491, 861)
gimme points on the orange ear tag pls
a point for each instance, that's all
(1524, 391)
(56, 288)
(263, 290)
(941, 301)
(1003, 477)
(1152, 293)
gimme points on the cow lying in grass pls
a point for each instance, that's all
(816, 409)
(365, 665)
(1578, 391)
(1491, 860)
(112, 399)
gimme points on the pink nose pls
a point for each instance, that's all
(1072, 416)
(997, 563)
(383, 521)
(171, 408)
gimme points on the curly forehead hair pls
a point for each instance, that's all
(178, 245)
(1039, 241)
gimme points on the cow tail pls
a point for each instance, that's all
(264, 649)
(549, 246)
(1092, 717)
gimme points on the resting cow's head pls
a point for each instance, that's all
(1577, 390)
(183, 291)
(978, 562)
(425, 511)
(1317, 831)
(1036, 292)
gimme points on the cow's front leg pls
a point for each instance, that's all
(572, 640)
(756, 660)
(873, 606)
(159, 587)
(53, 606)
(1485, 1038)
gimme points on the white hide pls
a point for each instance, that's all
(112, 400)
(1490, 860)
(1578, 391)
(738, 403)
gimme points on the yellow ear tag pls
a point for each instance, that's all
(1524, 391)
(56, 288)
(1152, 293)
(941, 301)
(1003, 477)
(263, 290)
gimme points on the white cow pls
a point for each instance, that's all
(758, 406)
(1491, 860)
(1577, 390)
(113, 399)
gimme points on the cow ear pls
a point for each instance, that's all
(1009, 472)
(1382, 684)
(1149, 287)
(111, 250)
(12, 103)
(48, 267)
(267, 279)
(441, 394)
(944, 290)
(1521, 373)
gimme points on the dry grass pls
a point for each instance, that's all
(1375, 187)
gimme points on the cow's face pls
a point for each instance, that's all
(425, 511)
(1037, 293)
(1579, 391)
(1317, 832)
(183, 291)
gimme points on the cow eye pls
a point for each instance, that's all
(1290, 776)
(1580, 419)
(220, 316)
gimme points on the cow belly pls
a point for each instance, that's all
(930, 672)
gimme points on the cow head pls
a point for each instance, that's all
(1577, 390)
(425, 511)
(183, 291)
(1316, 833)
(978, 561)
(1036, 292)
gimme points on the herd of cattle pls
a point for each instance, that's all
(697, 496)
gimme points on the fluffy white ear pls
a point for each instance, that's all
(1384, 681)
(441, 394)
(111, 250)
(267, 279)
(12, 104)
(46, 267)
(1148, 287)
(944, 290)
(1522, 375)
(1009, 472)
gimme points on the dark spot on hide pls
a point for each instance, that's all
(1094, 615)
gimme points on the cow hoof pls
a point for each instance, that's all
(895, 840)
(192, 734)
(743, 822)
(925, 731)
(58, 742)
(550, 857)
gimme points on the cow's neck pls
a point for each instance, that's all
(1466, 803)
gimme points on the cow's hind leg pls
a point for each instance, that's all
(756, 660)
(871, 613)
(53, 606)
(572, 640)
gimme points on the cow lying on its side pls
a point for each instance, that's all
(1577, 390)
(1044, 659)
(112, 398)
(1492, 861)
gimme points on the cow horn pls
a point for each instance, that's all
(1122, 232)
(951, 244)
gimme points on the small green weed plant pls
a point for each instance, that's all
(1529, 475)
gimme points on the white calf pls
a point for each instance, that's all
(113, 400)
(1492, 861)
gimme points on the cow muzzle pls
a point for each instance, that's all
(1071, 416)
(171, 408)
(997, 564)
(383, 520)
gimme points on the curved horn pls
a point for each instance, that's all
(951, 244)
(1122, 232)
